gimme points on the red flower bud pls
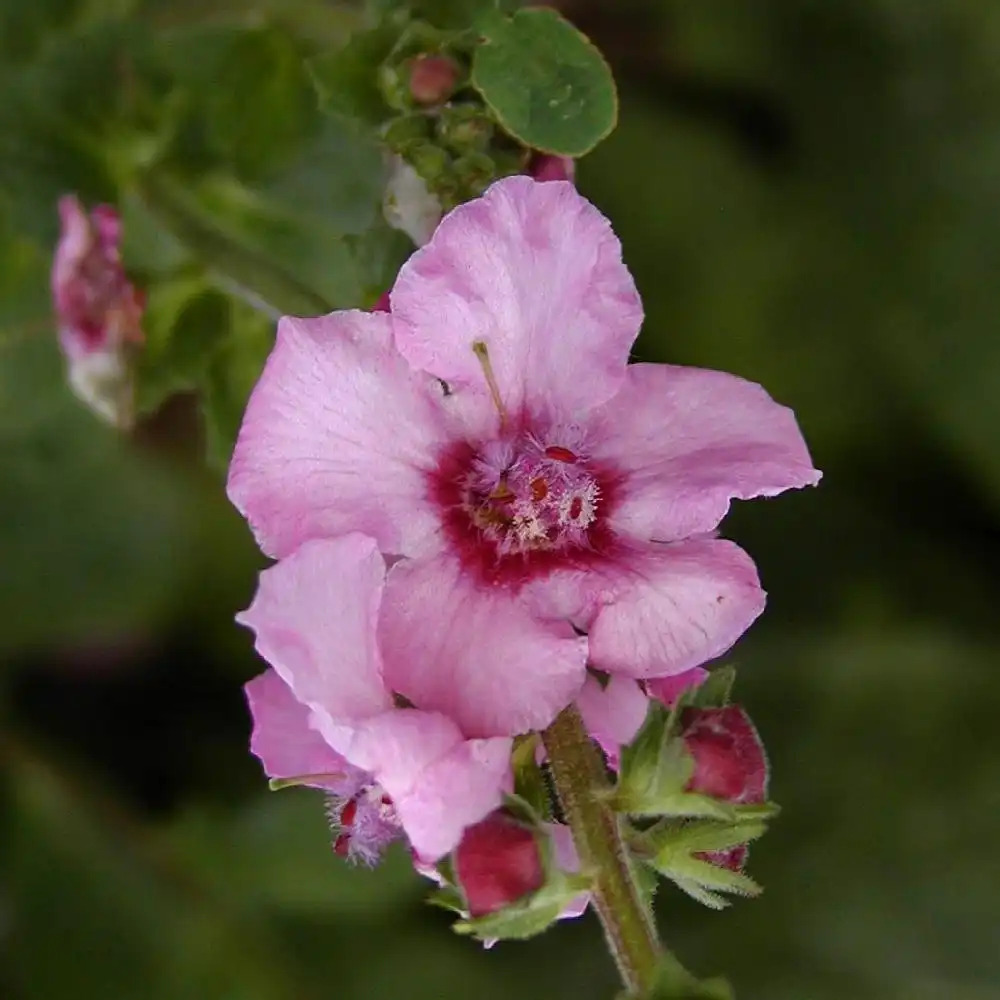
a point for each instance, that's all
(496, 863)
(545, 167)
(432, 79)
(729, 759)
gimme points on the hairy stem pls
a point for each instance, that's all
(580, 776)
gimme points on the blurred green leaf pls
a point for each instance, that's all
(346, 79)
(545, 81)
(260, 104)
(230, 377)
(185, 325)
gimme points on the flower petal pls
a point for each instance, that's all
(439, 782)
(689, 440)
(534, 271)
(669, 689)
(315, 616)
(660, 610)
(613, 712)
(338, 436)
(287, 745)
(474, 652)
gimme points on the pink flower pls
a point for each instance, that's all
(324, 714)
(97, 308)
(544, 503)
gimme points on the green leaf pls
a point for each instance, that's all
(229, 380)
(185, 324)
(245, 268)
(346, 79)
(546, 82)
(674, 982)
(260, 104)
(337, 179)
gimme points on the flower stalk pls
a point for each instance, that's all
(580, 779)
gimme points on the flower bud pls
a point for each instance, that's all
(497, 863)
(729, 759)
(432, 79)
(545, 167)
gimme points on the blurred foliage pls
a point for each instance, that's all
(807, 195)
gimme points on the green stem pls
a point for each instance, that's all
(580, 779)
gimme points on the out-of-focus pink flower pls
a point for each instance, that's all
(324, 714)
(545, 504)
(497, 862)
(432, 78)
(97, 308)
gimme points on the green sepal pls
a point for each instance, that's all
(447, 898)
(529, 781)
(545, 82)
(675, 839)
(716, 690)
(529, 916)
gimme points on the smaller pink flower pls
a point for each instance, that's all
(324, 714)
(97, 308)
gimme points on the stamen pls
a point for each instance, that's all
(559, 454)
(481, 351)
(276, 784)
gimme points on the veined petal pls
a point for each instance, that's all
(315, 617)
(474, 652)
(533, 271)
(612, 712)
(689, 440)
(287, 745)
(338, 436)
(660, 610)
(439, 782)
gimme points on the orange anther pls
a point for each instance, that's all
(539, 489)
(560, 454)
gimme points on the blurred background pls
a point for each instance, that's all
(808, 194)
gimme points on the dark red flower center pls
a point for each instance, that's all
(520, 504)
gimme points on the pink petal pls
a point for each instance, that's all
(688, 441)
(567, 860)
(534, 271)
(338, 436)
(659, 610)
(315, 616)
(474, 652)
(669, 689)
(612, 713)
(439, 782)
(284, 741)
